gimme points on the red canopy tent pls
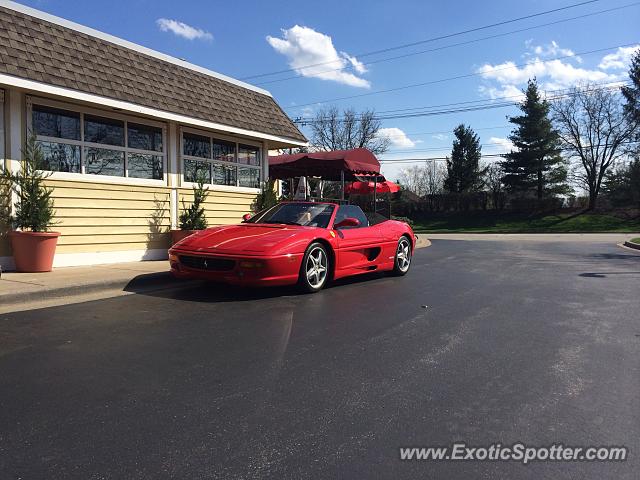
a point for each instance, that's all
(334, 165)
(366, 188)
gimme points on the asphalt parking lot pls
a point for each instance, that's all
(482, 342)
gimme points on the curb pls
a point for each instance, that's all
(144, 282)
(632, 245)
(422, 241)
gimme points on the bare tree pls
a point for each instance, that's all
(493, 174)
(333, 130)
(424, 180)
(593, 129)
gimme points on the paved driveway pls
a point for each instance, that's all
(536, 342)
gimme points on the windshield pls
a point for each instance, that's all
(304, 214)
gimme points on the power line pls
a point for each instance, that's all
(494, 155)
(546, 92)
(458, 77)
(429, 112)
(444, 47)
(433, 39)
(415, 134)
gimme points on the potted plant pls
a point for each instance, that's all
(33, 245)
(268, 196)
(193, 217)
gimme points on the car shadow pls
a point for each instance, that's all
(617, 256)
(163, 285)
(605, 274)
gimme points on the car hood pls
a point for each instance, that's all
(250, 238)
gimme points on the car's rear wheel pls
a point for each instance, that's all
(403, 257)
(314, 271)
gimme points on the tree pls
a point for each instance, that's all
(34, 207)
(332, 130)
(536, 163)
(593, 128)
(622, 186)
(194, 217)
(463, 168)
(423, 180)
(631, 93)
(493, 175)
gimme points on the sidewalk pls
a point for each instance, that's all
(21, 291)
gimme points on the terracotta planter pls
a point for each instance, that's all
(33, 251)
(177, 235)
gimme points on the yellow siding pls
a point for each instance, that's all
(99, 217)
(222, 208)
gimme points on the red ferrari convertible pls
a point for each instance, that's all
(308, 243)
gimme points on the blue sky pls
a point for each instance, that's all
(242, 39)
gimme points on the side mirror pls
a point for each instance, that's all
(348, 222)
(246, 217)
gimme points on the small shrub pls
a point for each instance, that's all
(266, 198)
(193, 217)
(34, 207)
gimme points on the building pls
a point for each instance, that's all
(125, 130)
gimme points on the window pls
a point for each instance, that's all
(103, 130)
(351, 211)
(219, 162)
(79, 142)
(53, 122)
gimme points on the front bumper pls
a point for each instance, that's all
(250, 270)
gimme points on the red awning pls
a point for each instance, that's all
(326, 165)
(366, 188)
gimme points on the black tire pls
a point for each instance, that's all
(316, 255)
(402, 259)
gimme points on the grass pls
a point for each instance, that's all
(499, 222)
(636, 240)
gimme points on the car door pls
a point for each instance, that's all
(358, 247)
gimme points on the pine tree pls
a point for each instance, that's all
(632, 92)
(34, 206)
(536, 164)
(463, 168)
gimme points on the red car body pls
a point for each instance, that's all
(258, 254)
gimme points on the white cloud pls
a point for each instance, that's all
(507, 79)
(440, 136)
(397, 138)
(619, 60)
(182, 29)
(551, 50)
(501, 145)
(312, 54)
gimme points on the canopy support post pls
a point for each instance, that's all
(342, 182)
(375, 196)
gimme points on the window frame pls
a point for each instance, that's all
(83, 110)
(213, 136)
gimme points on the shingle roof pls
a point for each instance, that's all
(42, 51)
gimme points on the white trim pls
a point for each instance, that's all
(126, 44)
(132, 107)
(98, 258)
(213, 187)
(110, 179)
(2, 131)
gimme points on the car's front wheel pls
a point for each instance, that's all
(314, 271)
(403, 256)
